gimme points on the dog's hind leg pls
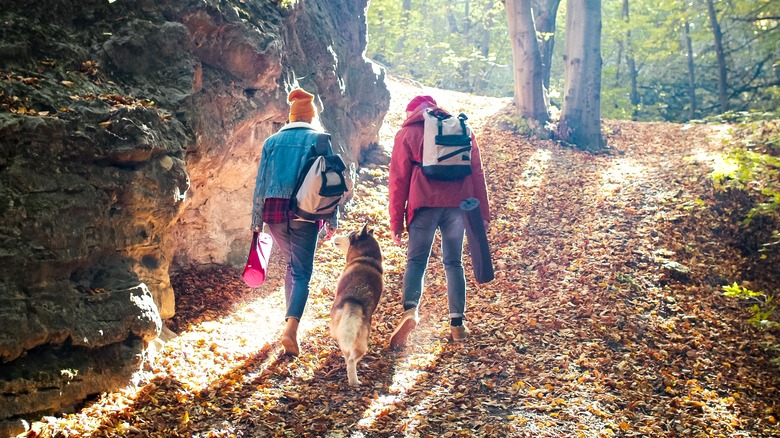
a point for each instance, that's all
(352, 335)
(352, 362)
(357, 351)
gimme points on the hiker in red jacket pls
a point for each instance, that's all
(423, 205)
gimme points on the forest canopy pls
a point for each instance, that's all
(662, 60)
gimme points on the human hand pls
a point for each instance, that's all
(329, 232)
(397, 239)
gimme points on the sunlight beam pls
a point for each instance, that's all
(620, 174)
(409, 372)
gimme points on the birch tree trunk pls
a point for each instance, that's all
(527, 62)
(581, 119)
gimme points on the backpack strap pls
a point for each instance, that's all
(462, 117)
(322, 144)
(439, 117)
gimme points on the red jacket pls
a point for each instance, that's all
(410, 189)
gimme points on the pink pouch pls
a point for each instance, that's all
(257, 262)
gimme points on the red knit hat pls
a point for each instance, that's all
(418, 101)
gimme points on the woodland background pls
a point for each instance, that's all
(607, 317)
(645, 50)
(641, 303)
(695, 61)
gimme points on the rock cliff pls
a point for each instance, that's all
(130, 133)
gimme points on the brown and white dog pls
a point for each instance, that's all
(358, 293)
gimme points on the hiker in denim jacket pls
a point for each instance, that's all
(283, 157)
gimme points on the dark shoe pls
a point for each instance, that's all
(401, 334)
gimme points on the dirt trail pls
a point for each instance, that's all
(591, 328)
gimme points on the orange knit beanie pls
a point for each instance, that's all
(301, 105)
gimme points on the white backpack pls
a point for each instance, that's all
(321, 185)
(446, 146)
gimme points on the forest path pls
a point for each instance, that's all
(592, 326)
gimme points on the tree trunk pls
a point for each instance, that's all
(452, 19)
(617, 63)
(527, 62)
(484, 46)
(545, 13)
(466, 19)
(691, 72)
(406, 9)
(631, 64)
(718, 36)
(581, 119)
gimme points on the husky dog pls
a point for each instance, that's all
(358, 293)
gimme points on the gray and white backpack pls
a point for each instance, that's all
(446, 146)
(321, 185)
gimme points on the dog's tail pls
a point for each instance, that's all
(352, 332)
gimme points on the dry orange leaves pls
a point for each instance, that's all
(588, 329)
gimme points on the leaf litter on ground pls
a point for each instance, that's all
(606, 317)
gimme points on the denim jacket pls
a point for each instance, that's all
(281, 161)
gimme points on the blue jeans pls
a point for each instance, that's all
(421, 233)
(297, 241)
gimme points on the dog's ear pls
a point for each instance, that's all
(366, 231)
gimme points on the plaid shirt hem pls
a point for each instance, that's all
(277, 211)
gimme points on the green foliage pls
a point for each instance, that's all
(753, 166)
(615, 102)
(739, 117)
(658, 45)
(520, 125)
(736, 291)
(464, 45)
(439, 44)
(762, 305)
(287, 4)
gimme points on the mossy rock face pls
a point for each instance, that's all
(131, 133)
